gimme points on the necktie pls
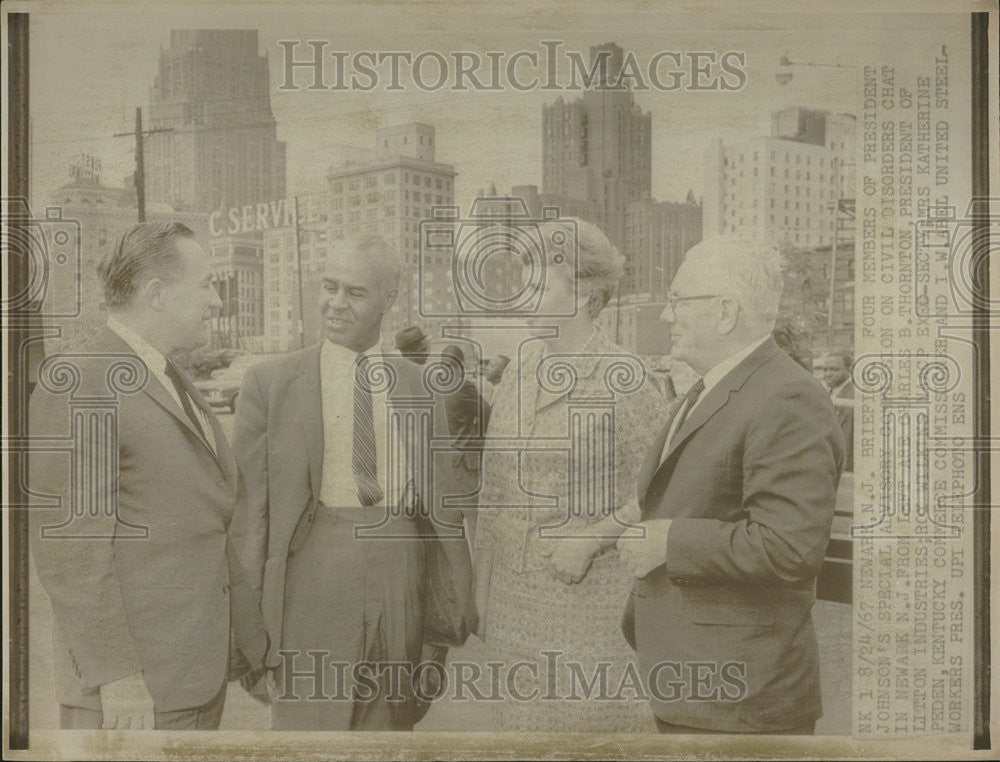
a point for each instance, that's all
(363, 457)
(689, 399)
(175, 378)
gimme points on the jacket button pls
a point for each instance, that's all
(225, 589)
(220, 482)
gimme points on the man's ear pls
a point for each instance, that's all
(151, 293)
(389, 298)
(730, 315)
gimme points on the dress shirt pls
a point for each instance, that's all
(338, 488)
(156, 363)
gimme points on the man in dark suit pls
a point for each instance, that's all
(737, 497)
(468, 416)
(145, 596)
(323, 456)
(835, 369)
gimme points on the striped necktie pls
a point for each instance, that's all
(363, 461)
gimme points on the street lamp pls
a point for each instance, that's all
(784, 73)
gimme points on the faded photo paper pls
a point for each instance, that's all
(486, 380)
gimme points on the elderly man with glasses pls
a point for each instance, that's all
(737, 496)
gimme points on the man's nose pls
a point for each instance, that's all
(337, 300)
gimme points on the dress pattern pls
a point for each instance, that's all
(537, 455)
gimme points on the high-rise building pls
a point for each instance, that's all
(237, 263)
(657, 236)
(786, 186)
(212, 91)
(597, 148)
(388, 191)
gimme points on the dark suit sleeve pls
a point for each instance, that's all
(78, 571)
(792, 458)
(450, 613)
(249, 526)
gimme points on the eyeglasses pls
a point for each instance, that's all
(673, 300)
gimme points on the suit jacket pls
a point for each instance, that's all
(155, 586)
(278, 441)
(750, 484)
(468, 416)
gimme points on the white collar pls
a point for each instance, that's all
(719, 371)
(155, 360)
(340, 354)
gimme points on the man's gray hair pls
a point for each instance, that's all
(599, 265)
(144, 250)
(749, 271)
(374, 248)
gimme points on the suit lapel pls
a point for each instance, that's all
(708, 406)
(651, 463)
(310, 392)
(157, 391)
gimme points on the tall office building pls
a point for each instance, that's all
(387, 191)
(786, 186)
(657, 236)
(597, 148)
(212, 91)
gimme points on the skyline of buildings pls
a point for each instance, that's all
(267, 250)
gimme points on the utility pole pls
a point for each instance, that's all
(140, 171)
(298, 270)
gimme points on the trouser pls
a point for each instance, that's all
(348, 601)
(802, 730)
(205, 717)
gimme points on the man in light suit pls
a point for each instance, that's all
(313, 436)
(737, 496)
(146, 597)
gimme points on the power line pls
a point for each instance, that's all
(140, 172)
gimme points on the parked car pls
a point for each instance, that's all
(223, 388)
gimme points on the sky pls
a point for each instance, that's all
(90, 68)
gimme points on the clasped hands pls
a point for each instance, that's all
(570, 558)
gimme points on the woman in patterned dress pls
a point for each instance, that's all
(569, 429)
